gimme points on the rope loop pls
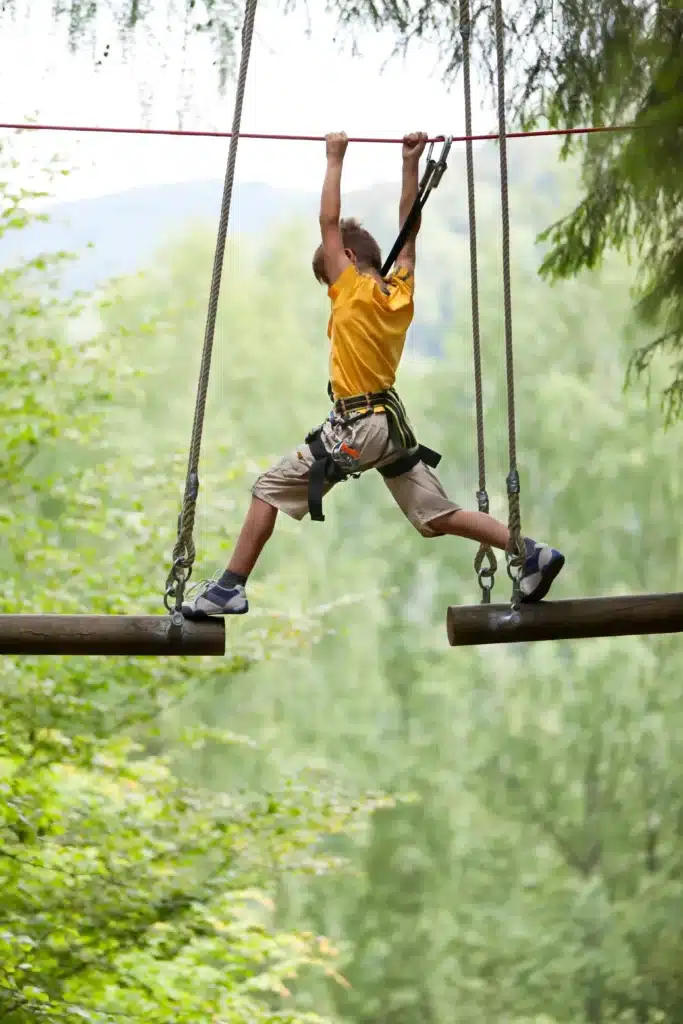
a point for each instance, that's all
(177, 580)
(515, 556)
(485, 572)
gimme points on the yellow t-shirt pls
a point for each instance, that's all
(367, 330)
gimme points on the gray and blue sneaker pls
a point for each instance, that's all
(209, 597)
(541, 566)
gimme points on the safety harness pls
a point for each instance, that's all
(341, 463)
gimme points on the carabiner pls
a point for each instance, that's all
(441, 163)
(430, 167)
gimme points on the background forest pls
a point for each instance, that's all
(345, 820)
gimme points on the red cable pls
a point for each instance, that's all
(304, 138)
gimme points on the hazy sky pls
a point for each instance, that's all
(296, 85)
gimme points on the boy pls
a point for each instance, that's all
(368, 428)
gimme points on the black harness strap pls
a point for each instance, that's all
(407, 462)
(433, 173)
(404, 437)
(326, 468)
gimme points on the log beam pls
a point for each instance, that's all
(469, 625)
(109, 635)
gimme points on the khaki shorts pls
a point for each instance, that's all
(418, 493)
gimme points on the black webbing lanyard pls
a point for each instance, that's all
(433, 173)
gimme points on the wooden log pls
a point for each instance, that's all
(565, 620)
(109, 635)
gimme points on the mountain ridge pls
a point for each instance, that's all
(120, 232)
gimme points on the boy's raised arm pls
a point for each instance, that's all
(413, 148)
(336, 260)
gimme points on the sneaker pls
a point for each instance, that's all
(209, 598)
(541, 566)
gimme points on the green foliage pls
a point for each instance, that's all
(125, 892)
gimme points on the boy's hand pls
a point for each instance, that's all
(414, 146)
(335, 145)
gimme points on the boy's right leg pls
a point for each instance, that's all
(284, 487)
(227, 595)
(256, 531)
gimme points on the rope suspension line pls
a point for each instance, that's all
(184, 550)
(27, 126)
(515, 553)
(485, 554)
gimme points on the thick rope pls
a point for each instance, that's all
(184, 550)
(515, 554)
(485, 552)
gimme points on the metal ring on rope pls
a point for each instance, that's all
(485, 572)
(184, 550)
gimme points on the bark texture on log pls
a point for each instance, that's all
(109, 634)
(565, 620)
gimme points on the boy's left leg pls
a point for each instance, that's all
(422, 499)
